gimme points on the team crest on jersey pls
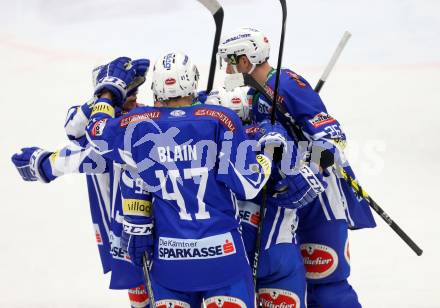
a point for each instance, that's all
(320, 119)
(224, 302)
(171, 303)
(135, 118)
(320, 260)
(224, 119)
(277, 298)
(98, 127)
(177, 113)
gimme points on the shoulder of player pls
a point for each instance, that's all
(288, 76)
(216, 109)
(225, 116)
(139, 114)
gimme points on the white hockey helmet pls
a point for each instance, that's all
(174, 76)
(244, 41)
(235, 100)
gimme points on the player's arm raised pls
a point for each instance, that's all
(104, 132)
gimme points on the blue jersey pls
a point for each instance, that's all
(302, 112)
(195, 161)
(103, 184)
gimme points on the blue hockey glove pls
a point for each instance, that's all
(272, 139)
(137, 238)
(272, 134)
(202, 96)
(29, 164)
(141, 67)
(115, 77)
(297, 190)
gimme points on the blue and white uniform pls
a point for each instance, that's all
(104, 183)
(323, 225)
(281, 275)
(195, 162)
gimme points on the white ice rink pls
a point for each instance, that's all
(385, 90)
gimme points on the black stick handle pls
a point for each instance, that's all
(280, 60)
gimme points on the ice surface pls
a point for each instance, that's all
(384, 90)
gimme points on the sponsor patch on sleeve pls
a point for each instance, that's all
(222, 117)
(103, 108)
(265, 164)
(54, 156)
(98, 127)
(137, 207)
(320, 119)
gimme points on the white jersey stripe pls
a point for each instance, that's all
(272, 231)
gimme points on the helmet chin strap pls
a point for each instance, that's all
(234, 67)
(252, 69)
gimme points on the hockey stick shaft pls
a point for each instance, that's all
(148, 280)
(280, 60)
(393, 225)
(353, 183)
(217, 12)
(272, 119)
(333, 60)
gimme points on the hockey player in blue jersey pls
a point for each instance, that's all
(281, 276)
(323, 225)
(194, 160)
(103, 181)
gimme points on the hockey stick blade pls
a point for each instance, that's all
(217, 12)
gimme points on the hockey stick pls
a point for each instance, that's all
(280, 59)
(272, 119)
(353, 183)
(393, 225)
(333, 60)
(217, 12)
(148, 280)
(246, 80)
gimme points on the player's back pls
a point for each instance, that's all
(178, 155)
